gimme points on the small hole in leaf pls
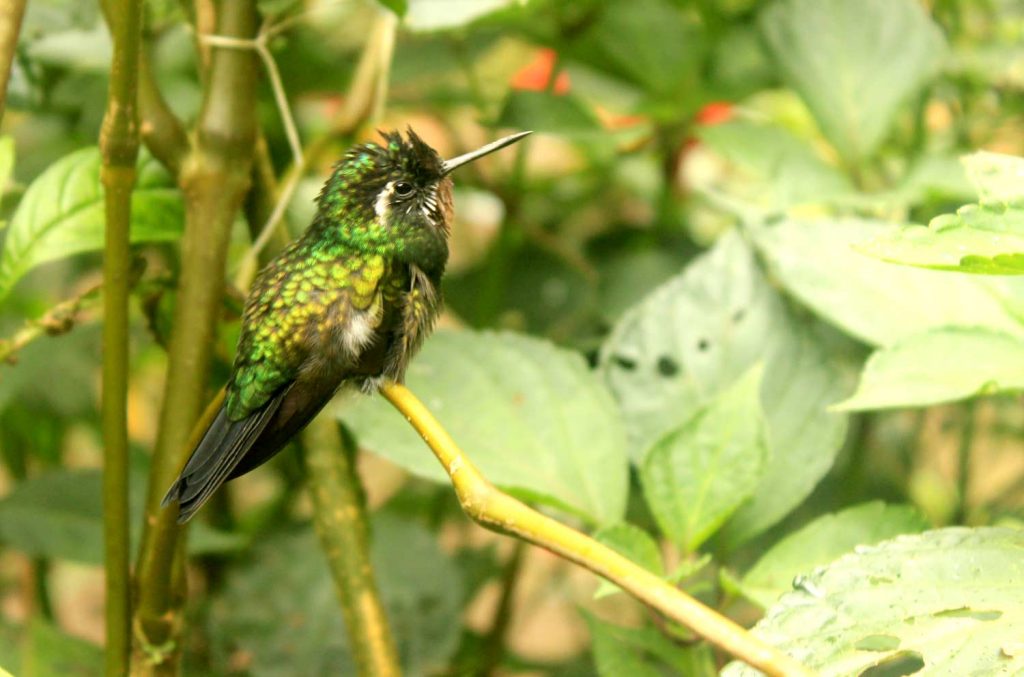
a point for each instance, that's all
(896, 665)
(626, 363)
(667, 367)
(703, 345)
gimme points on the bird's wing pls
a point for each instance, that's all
(224, 445)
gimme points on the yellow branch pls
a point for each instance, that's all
(498, 511)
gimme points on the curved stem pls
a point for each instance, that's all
(500, 512)
(119, 143)
(340, 519)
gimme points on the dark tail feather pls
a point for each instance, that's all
(222, 448)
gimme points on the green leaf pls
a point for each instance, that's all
(878, 302)
(642, 652)
(953, 597)
(280, 607)
(776, 170)
(62, 213)
(853, 63)
(60, 515)
(633, 543)
(436, 15)
(531, 416)
(996, 177)
(52, 653)
(695, 477)
(693, 337)
(941, 365)
(652, 44)
(822, 541)
(985, 239)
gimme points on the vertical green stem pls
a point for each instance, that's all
(119, 143)
(340, 519)
(214, 178)
(10, 26)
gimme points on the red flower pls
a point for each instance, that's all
(536, 75)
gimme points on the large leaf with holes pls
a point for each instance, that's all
(822, 541)
(62, 213)
(878, 302)
(952, 599)
(696, 476)
(693, 337)
(532, 416)
(281, 609)
(853, 63)
(941, 365)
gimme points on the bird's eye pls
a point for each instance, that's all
(403, 188)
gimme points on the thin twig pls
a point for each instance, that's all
(59, 319)
(340, 518)
(500, 512)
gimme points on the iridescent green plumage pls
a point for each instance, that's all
(348, 302)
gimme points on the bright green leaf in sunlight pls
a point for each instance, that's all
(279, 606)
(62, 213)
(436, 15)
(693, 337)
(777, 169)
(532, 416)
(874, 301)
(695, 477)
(854, 63)
(986, 238)
(633, 543)
(980, 239)
(996, 177)
(643, 652)
(952, 599)
(940, 365)
(822, 541)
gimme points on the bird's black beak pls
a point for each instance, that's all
(449, 165)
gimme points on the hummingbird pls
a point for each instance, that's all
(347, 303)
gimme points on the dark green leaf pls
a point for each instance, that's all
(953, 597)
(544, 112)
(695, 477)
(60, 515)
(282, 610)
(531, 416)
(51, 653)
(399, 7)
(854, 63)
(822, 541)
(62, 213)
(643, 652)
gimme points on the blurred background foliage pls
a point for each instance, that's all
(653, 309)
